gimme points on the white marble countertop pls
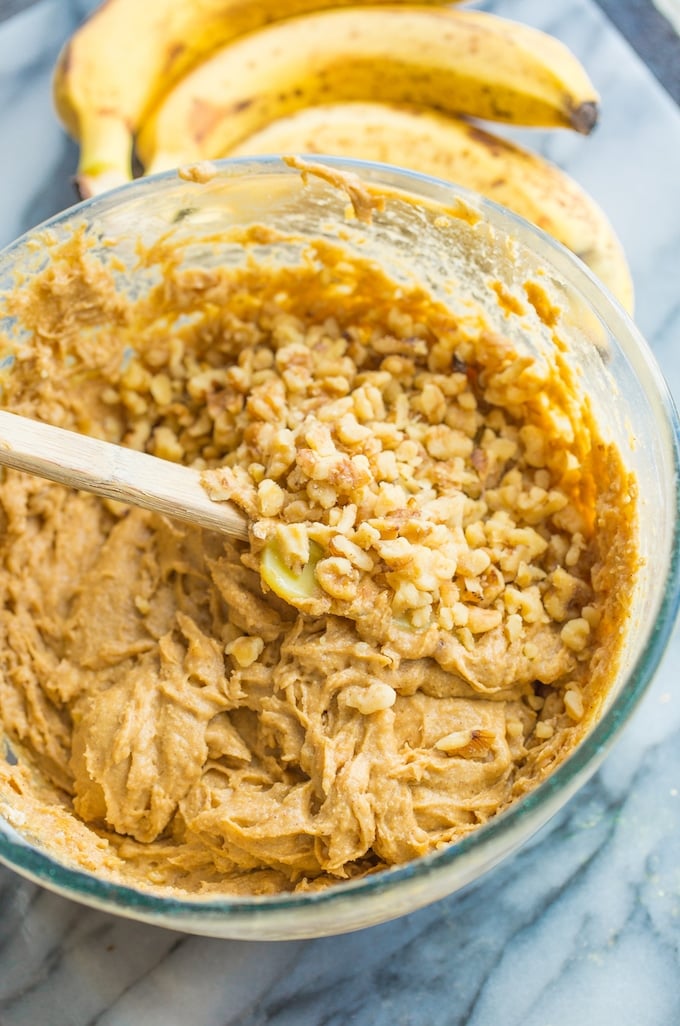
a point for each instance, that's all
(581, 927)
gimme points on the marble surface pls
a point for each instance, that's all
(583, 925)
(671, 10)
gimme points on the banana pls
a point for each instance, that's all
(120, 62)
(459, 151)
(456, 61)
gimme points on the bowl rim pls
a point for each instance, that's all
(38, 865)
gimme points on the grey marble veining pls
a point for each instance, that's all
(583, 925)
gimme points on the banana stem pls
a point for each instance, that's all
(106, 154)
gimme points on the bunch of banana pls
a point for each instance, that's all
(459, 151)
(129, 53)
(192, 80)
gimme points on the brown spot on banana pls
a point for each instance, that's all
(492, 143)
(204, 116)
(173, 53)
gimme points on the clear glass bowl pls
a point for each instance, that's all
(454, 242)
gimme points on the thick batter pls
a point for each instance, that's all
(170, 721)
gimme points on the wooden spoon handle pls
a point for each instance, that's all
(113, 471)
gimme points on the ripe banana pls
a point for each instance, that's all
(459, 151)
(468, 62)
(120, 62)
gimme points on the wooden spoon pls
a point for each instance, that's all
(115, 472)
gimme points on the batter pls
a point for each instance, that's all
(174, 723)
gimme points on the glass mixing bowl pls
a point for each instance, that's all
(456, 243)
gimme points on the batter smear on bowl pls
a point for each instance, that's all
(174, 721)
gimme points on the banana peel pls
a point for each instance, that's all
(451, 60)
